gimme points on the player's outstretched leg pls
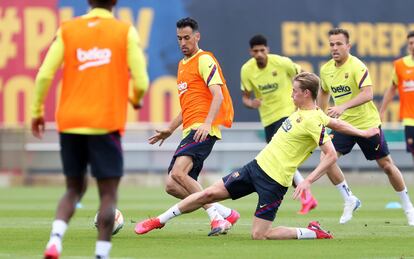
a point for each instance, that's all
(148, 225)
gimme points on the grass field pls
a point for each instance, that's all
(375, 232)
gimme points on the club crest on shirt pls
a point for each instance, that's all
(346, 75)
(274, 73)
(235, 174)
(299, 119)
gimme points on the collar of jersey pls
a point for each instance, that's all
(98, 12)
(185, 61)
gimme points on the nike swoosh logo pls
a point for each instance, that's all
(377, 147)
(210, 65)
(261, 206)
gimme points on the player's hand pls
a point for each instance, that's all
(371, 132)
(335, 111)
(382, 116)
(38, 127)
(134, 105)
(255, 103)
(202, 132)
(160, 135)
(301, 188)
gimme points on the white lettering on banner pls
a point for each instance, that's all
(93, 57)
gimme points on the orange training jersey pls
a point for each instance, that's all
(405, 75)
(95, 74)
(195, 97)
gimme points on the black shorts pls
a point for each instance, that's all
(271, 129)
(198, 151)
(102, 152)
(373, 148)
(409, 138)
(251, 178)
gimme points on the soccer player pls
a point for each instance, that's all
(269, 78)
(347, 79)
(205, 105)
(403, 80)
(271, 172)
(97, 52)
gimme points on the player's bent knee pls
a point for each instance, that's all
(208, 196)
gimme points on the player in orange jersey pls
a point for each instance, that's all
(403, 80)
(205, 105)
(98, 53)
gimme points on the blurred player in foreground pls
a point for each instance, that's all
(98, 52)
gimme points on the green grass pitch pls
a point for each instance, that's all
(375, 232)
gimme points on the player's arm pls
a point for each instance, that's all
(43, 81)
(249, 102)
(246, 87)
(138, 68)
(389, 95)
(209, 71)
(323, 99)
(330, 158)
(348, 129)
(162, 134)
(366, 94)
(203, 131)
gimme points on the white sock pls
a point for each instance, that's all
(222, 210)
(344, 190)
(213, 214)
(58, 231)
(297, 178)
(405, 200)
(102, 249)
(304, 233)
(169, 214)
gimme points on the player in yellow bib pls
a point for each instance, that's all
(271, 172)
(269, 78)
(347, 80)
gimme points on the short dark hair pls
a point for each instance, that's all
(187, 22)
(410, 34)
(336, 31)
(308, 81)
(258, 40)
(102, 3)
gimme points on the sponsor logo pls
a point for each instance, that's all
(408, 86)
(182, 88)
(340, 89)
(268, 88)
(94, 57)
(287, 125)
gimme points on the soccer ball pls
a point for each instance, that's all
(118, 223)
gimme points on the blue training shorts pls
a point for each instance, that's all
(251, 178)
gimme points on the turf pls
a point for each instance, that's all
(375, 232)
